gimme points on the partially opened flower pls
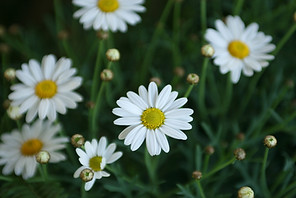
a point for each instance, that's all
(239, 48)
(18, 148)
(108, 14)
(152, 116)
(95, 157)
(47, 89)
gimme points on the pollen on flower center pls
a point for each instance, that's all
(108, 5)
(238, 49)
(31, 147)
(46, 89)
(152, 118)
(95, 163)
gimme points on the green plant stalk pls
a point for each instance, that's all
(280, 126)
(220, 167)
(151, 165)
(203, 16)
(176, 34)
(69, 150)
(238, 7)
(228, 95)
(41, 171)
(206, 163)
(263, 174)
(189, 89)
(284, 40)
(151, 48)
(200, 189)
(3, 178)
(202, 84)
(292, 186)
(82, 191)
(44, 169)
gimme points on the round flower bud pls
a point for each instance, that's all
(113, 55)
(9, 74)
(86, 175)
(6, 104)
(245, 192)
(270, 141)
(63, 35)
(4, 48)
(42, 157)
(240, 136)
(239, 154)
(106, 75)
(290, 83)
(179, 71)
(2, 30)
(209, 150)
(102, 35)
(14, 29)
(192, 78)
(156, 80)
(207, 51)
(90, 104)
(77, 140)
(14, 112)
(197, 175)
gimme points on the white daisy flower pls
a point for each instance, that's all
(47, 89)
(95, 157)
(108, 14)
(239, 48)
(152, 116)
(18, 149)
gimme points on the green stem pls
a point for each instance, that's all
(220, 167)
(263, 174)
(201, 192)
(228, 95)
(176, 34)
(280, 126)
(82, 191)
(41, 172)
(203, 16)
(69, 150)
(151, 165)
(283, 41)
(189, 90)
(202, 84)
(3, 178)
(238, 7)
(206, 163)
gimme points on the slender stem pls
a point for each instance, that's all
(238, 7)
(40, 169)
(220, 167)
(69, 150)
(263, 174)
(151, 165)
(283, 41)
(206, 163)
(203, 16)
(82, 191)
(201, 192)
(44, 169)
(3, 178)
(201, 96)
(176, 34)
(228, 95)
(189, 90)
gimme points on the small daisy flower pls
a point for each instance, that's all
(239, 48)
(18, 149)
(108, 14)
(95, 157)
(152, 116)
(47, 89)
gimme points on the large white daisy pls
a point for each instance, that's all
(18, 148)
(152, 116)
(95, 157)
(47, 89)
(108, 14)
(239, 48)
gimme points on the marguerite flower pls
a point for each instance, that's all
(18, 149)
(47, 89)
(95, 157)
(108, 14)
(239, 48)
(152, 116)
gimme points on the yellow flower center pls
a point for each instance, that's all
(95, 163)
(108, 5)
(152, 118)
(31, 147)
(46, 89)
(238, 49)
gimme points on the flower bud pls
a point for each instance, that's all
(42, 157)
(240, 136)
(9, 74)
(86, 175)
(113, 55)
(77, 140)
(14, 112)
(4, 48)
(106, 75)
(102, 35)
(197, 175)
(207, 51)
(239, 154)
(90, 104)
(192, 78)
(179, 71)
(6, 104)
(290, 83)
(270, 141)
(2, 30)
(209, 150)
(156, 80)
(245, 192)
(14, 29)
(63, 35)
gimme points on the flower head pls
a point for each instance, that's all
(95, 157)
(239, 48)
(152, 116)
(19, 148)
(245, 192)
(47, 89)
(108, 14)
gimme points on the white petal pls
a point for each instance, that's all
(48, 66)
(138, 139)
(152, 94)
(128, 121)
(162, 141)
(137, 100)
(125, 132)
(102, 146)
(114, 157)
(89, 184)
(131, 135)
(78, 171)
(43, 108)
(151, 143)
(163, 97)
(174, 133)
